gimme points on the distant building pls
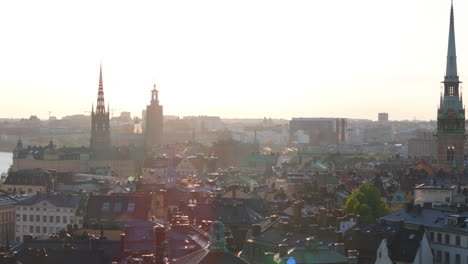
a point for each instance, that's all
(378, 134)
(424, 145)
(258, 162)
(383, 117)
(28, 181)
(154, 122)
(120, 161)
(321, 131)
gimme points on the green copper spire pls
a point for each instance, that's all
(451, 74)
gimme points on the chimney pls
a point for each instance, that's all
(310, 242)
(92, 244)
(339, 248)
(122, 243)
(7, 244)
(353, 256)
(102, 232)
(339, 237)
(160, 244)
(283, 249)
(256, 229)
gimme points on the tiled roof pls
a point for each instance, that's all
(29, 177)
(404, 246)
(59, 200)
(427, 217)
(117, 207)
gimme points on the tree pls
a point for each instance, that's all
(366, 202)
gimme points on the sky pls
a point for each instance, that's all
(243, 58)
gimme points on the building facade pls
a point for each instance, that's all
(321, 131)
(154, 122)
(45, 214)
(451, 114)
(7, 218)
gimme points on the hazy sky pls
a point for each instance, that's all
(243, 58)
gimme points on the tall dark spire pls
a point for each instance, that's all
(154, 95)
(100, 107)
(451, 74)
(100, 133)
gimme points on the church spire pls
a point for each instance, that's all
(100, 107)
(154, 95)
(451, 74)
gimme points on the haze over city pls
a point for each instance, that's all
(232, 59)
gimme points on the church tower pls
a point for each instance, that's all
(100, 132)
(154, 122)
(451, 113)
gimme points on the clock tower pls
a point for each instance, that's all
(451, 113)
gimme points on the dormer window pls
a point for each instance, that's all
(131, 207)
(105, 207)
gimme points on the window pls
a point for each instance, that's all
(25, 218)
(44, 229)
(25, 228)
(105, 207)
(72, 220)
(51, 219)
(457, 259)
(447, 239)
(57, 219)
(450, 153)
(31, 229)
(432, 236)
(44, 218)
(51, 230)
(31, 218)
(117, 207)
(30, 190)
(439, 237)
(18, 228)
(38, 229)
(457, 240)
(65, 220)
(131, 207)
(38, 218)
(447, 257)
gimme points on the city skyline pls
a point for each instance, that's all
(268, 65)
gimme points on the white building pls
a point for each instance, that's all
(44, 214)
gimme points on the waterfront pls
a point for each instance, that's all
(5, 161)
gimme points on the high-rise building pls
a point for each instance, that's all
(320, 131)
(383, 117)
(154, 122)
(100, 130)
(451, 113)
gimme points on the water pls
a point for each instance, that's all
(5, 161)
